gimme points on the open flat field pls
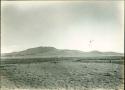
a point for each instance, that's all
(62, 75)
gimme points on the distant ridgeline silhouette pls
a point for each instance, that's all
(53, 52)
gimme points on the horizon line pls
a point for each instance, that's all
(61, 49)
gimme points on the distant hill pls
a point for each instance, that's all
(53, 52)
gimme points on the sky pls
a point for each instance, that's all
(77, 25)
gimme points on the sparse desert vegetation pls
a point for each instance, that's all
(57, 73)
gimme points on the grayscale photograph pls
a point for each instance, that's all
(62, 45)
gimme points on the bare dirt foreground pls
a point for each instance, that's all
(62, 76)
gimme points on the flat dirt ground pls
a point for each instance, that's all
(62, 76)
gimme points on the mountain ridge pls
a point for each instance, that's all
(54, 52)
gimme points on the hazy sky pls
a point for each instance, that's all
(64, 25)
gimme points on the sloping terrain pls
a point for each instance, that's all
(53, 52)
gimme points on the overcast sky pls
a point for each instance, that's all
(64, 25)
